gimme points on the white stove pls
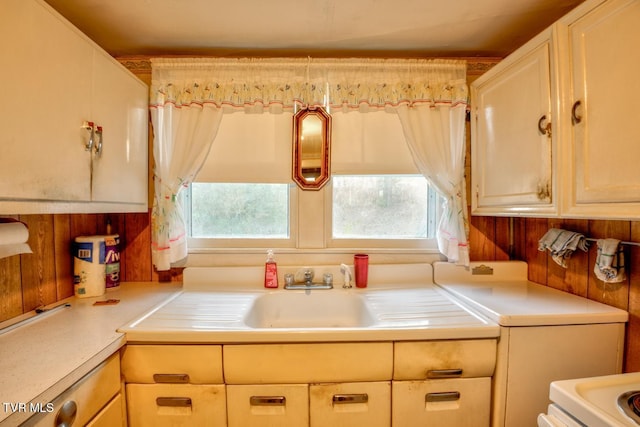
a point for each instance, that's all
(545, 335)
(605, 401)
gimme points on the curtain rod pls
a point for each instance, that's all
(339, 62)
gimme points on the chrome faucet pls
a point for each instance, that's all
(308, 274)
(308, 277)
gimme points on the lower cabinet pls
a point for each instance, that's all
(282, 405)
(381, 384)
(95, 400)
(174, 405)
(350, 404)
(460, 402)
(366, 404)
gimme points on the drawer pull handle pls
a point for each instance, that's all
(175, 402)
(445, 396)
(444, 373)
(268, 400)
(67, 414)
(350, 398)
(171, 378)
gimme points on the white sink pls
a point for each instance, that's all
(309, 309)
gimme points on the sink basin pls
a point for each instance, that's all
(309, 309)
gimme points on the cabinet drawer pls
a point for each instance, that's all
(308, 363)
(90, 394)
(444, 359)
(112, 415)
(192, 364)
(268, 405)
(176, 405)
(462, 402)
(350, 404)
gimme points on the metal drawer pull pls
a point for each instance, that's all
(66, 414)
(268, 400)
(171, 378)
(445, 396)
(176, 402)
(350, 398)
(444, 373)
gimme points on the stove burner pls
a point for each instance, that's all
(629, 402)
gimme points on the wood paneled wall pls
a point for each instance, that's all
(32, 280)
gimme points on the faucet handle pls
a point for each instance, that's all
(308, 276)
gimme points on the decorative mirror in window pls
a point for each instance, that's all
(311, 148)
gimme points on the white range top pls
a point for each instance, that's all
(593, 401)
(508, 298)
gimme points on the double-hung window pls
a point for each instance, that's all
(244, 195)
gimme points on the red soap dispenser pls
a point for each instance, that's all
(270, 271)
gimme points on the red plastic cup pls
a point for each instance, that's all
(361, 267)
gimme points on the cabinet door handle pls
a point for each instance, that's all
(98, 135)
(171, 378)
(268, 400)
(175, 402)
(350, 398)
(444, 373)
(575, 118)
(542, 128)
(445, 396)
(67, 414)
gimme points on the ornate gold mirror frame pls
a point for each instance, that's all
(311, 148)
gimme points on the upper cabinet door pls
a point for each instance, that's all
(512, 136)
(604, 129)
(120, 107)
(46, 86)
(54, 80)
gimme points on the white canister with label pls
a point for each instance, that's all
(89, 273)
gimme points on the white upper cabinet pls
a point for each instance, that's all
(512, 138)
(602, 127)
(586, 166)
(55, 79)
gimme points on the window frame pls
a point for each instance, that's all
(434, 209)
(243, 243)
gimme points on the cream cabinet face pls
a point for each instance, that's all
(174, 405)
(366, 404)
(601, 111)
(94, 400)
(42, 152)
(268, 405)
(512, 123)
(461, 402)
(56, 80)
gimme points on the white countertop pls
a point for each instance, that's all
(41, 359)
(508, 298)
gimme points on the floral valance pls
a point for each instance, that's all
(285, 84)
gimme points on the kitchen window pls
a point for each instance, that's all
(244, 196)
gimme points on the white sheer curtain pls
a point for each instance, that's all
(190, 95)
(435, 133)
(184, 130)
